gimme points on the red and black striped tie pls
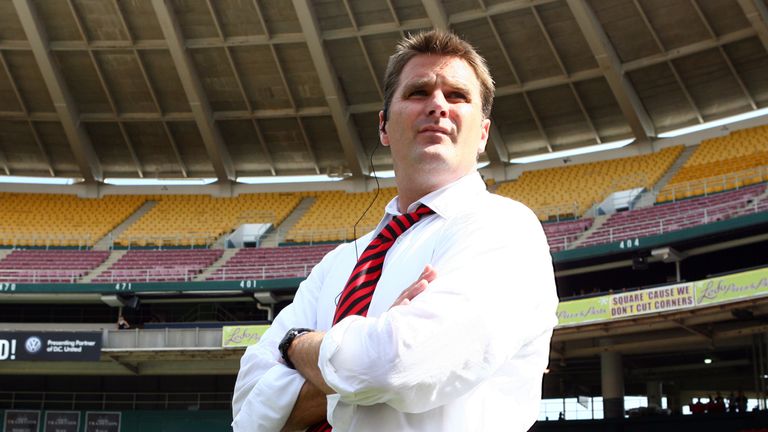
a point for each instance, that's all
(357, 293)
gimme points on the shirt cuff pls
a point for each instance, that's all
(270, 402)
(331, 345)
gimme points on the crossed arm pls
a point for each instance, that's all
(310, 407)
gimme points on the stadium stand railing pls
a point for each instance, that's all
(673, 216)
(49, 266)
(552, 192)
(199, 220)
(50, 220)
(712, 185)
(334, 213)
(561, 235)
(727, 162)
(271, 263)
(180, 265)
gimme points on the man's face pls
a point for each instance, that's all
(435, 127)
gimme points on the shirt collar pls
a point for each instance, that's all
(446, 201)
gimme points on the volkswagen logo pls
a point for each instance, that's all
(33, 344)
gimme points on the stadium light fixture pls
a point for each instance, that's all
(40, 180)
(714, 123)
(383, 173)
(572, 152)
(288, 179)
(707, 360)
(159, 182)
(391, 173)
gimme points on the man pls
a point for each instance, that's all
(455, 335)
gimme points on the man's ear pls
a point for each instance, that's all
(383, 136)
(485, 129)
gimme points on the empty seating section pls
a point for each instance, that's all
(561, 235)
(271, 263)
(334, 213)
(49, 266)
(663, 218)
(736, 160)
(61, 220)
(571, 190)
(159, 265)
(198, 220)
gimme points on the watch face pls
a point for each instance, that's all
(284, 344)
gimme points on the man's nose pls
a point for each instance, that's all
(438, 105)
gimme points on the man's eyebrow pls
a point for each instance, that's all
(419, 83)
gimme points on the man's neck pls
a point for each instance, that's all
(408, 192)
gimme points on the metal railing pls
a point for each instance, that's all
(46, 241)
(42, 275)
(557, 212)
(315, 235)
(673, 222)
(708, 186)
(78, 400)
(276, 271)
(185, 274)
(161, 338)
(175, 241)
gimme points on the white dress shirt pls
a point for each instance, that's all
(467, 354)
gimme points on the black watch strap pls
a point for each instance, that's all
(288, 340)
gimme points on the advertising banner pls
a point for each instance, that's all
(583, 311)
(652, 300)
(50, 346)
(732, 287)
(21, 421)
(62, 421)
(722, 289)
(104, 421)
(241, 336)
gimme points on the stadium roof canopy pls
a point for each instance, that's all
(232, 88)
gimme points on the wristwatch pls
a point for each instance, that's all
(287, 341)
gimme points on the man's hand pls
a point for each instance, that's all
(428, 275)
(305, 349)
(309, 409)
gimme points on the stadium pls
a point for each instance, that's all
(183, 164)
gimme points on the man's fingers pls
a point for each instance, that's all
(427, 275)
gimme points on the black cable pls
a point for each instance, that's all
(376, 195)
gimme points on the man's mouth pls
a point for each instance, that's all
(435, 129)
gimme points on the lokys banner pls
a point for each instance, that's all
(241, 336)
(50, 346)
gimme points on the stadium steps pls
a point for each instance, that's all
(647, 199)
(276, 236)
(106, 242)
(596, 224)
(113, 258)
(756, 203)
(228, 253)
(4, 253)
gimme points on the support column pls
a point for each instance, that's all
(612, 379)
(674, 399)
(653, 392)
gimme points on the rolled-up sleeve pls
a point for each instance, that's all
(494, 295)
(266, 390)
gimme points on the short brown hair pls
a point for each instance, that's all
(440, 43)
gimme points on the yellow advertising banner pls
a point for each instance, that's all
(241, 336)
(652, 300)
(737, 286)
(582, 311)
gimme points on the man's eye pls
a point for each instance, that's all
(418, 93)
(457, 95)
